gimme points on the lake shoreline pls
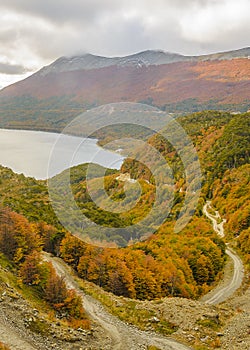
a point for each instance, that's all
(28, 152)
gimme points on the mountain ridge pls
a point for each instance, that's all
(144, 58)
(52, 97)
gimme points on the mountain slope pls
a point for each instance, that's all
(145, 58)
(89, 61)
(168, 264)
(52, 97)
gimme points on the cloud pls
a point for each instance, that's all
(217, 22)
(62, 11)
(6, 68)
(34, 33)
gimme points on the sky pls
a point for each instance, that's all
(34, 33)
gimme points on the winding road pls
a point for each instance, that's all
(122, 335)
(227, 288)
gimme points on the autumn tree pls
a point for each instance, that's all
(73, 305)
(72, 248)
(18, 237)
(51, 237)
(34, 271)
(65, 301)
(55, 290)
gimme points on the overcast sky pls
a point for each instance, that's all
(33, 33)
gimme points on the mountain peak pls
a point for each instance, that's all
(89, 61)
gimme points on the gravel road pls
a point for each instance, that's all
(228, 287)
(122, 336)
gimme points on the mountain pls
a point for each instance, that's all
(89, 61)
(141, 59)
(53, 96)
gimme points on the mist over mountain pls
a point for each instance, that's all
(146, 58)
(57, 93)
(170, 284)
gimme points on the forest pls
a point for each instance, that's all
(185, 264)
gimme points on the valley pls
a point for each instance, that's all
(124, 175)
(161, 292)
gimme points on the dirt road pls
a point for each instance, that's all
(227, 288)
(122, 336)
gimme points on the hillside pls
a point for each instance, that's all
(167, 265)
(53, 96)
(211, 133)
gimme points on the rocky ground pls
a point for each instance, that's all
(24, 328)
(236, 333)
(199, 325)
(226, 326)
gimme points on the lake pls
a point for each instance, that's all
(29, 152)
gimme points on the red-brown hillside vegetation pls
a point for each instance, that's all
(226, 81)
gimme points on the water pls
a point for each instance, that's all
(30, 152)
